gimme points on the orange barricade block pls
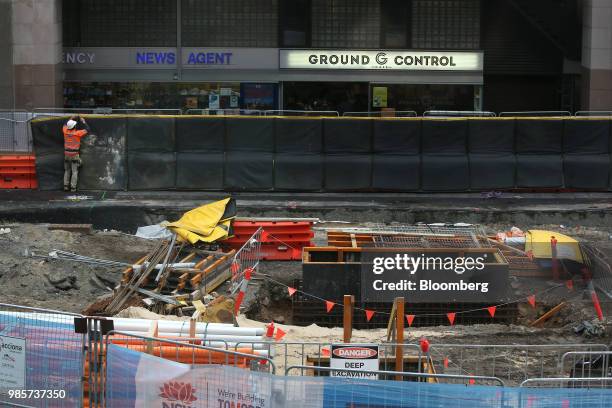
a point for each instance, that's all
(18, 171)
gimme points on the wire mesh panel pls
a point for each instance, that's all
(428, 236)
(41, 359)
(246, 260)
(512, 363)
(15, 133)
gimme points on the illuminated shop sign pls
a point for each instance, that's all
(381, 60)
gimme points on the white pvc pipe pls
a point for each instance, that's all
(214, 337)
(144, 325)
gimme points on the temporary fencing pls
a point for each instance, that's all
(458, 114)
(15, 133)
(382, 114)
(40, 351)
(593, 113)
(138, 379)
(244, 265)
(289, 112)
(585, 364)
(247, 112)
(513, 363)
(330, 154)
(535, 113)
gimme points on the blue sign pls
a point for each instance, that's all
(156, 58)
(209, 58)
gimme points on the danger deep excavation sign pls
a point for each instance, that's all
(354, 357)
(434, 276)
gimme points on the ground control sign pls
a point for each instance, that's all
(12, 363)
(438, 276)
(354, 357)
(382, 60)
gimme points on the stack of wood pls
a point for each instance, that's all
(173, 278)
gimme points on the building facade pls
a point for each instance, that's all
(340, 55)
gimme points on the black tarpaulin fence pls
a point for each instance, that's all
(331, 154)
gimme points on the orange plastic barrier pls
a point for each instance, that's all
(18, 171)
(281, 241)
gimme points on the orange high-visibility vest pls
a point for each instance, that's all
(72, 140)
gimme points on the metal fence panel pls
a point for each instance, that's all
(288, 112)
(53, 357)
(535, 113)
(513, 363)
(382, 114)
(15, 131)
(459, 114)
(593, 113)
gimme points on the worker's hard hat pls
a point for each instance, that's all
(71, 124)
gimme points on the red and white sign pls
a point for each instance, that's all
(354, 357)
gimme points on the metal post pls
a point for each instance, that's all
(349, 302)
(399, 328)
(553, 255)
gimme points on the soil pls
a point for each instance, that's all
(70, 286)
(61, 285)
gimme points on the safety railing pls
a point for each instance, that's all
(593, 113)
(586, 364)
(289, 112)
(382, 114)
(290, 353)
(390, 375)
(458, 114)
(511, 362)
(535, 113)
(105, 111)
(208, 112)
(246, 261)
(600, 267)
(40, 351)
(564, 382)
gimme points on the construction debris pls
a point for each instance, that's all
(179, 275)
(540, 320)
(589, 329)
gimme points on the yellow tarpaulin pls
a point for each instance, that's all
(207, 223)
(538, 242)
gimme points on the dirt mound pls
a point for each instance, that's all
(56, 284)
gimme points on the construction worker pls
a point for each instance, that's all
(72, 145)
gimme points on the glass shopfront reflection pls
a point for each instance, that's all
(421, 98)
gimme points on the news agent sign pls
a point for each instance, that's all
(12, 363)
(434, 276)
(354, 357)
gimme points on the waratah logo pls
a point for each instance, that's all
(178, 391)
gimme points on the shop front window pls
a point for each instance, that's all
(421, 98)
(326, 96)
(165, 95)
